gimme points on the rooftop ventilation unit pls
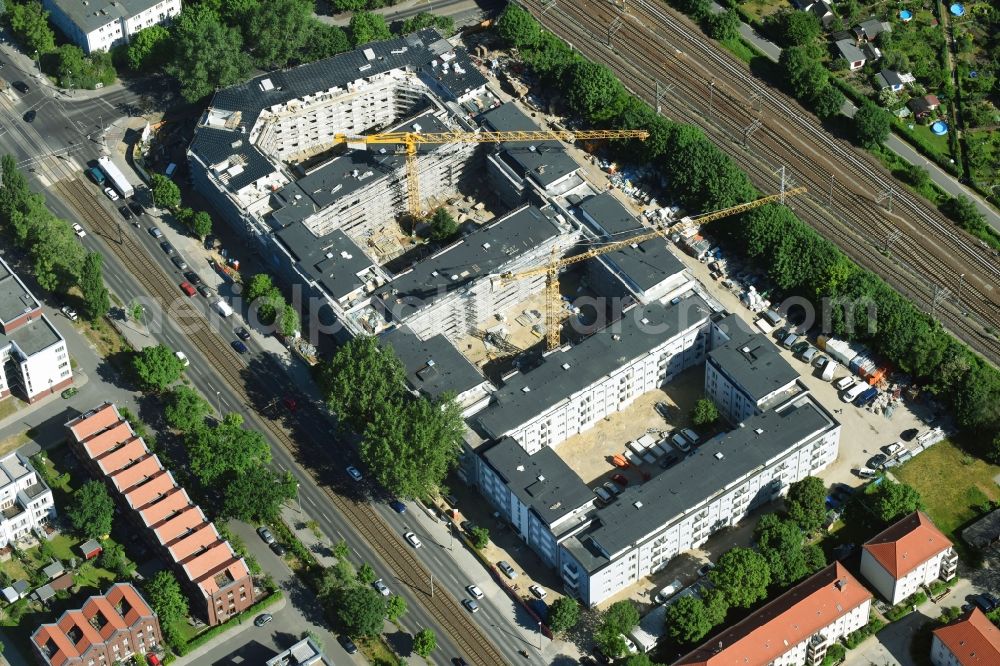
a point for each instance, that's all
(759, 431)
(520, 468)
(637, 504)
(486, 246)
(430, 363)
(236, 144)
(526, 389)
(365, 68)
(453, 278)
(745, 350)
(719, 456)
(541, 478)
(329, 255)
(565, 366)
(266, 85)
(369, 54)
(644, 320)
(417, 128)
(616, 337)
(398, 51)
(346, 255)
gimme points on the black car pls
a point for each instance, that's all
(136, 208)
(242, 333)
(278, 549)
(908, 435)
(126, 213)
(30, 116)
(167, 247)
(347, 644)
(876, 461)
(239, 346)
(179, 263)
(193, 278)
(21, 86)
(985, 602)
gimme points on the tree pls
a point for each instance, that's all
(918, 176)
(149, 49)
(260, 286)
(92, 510)
(157, 367)
(256, 494)
(518, 27)
(742, 575)
(443, 225)
(165, 192)
(201, 224)
(226, 448)
(792, 28)
(444, 24)
(687, 620)
(30, 22)
(564, 613)
(963, 210)
(113, 559)
(288, 322)
(871, 125)
(279, 30)
(360, 379)
(780, 542)
(803, 71)
(593, 91)
(207, 54)
(265, 296)
(56, 253)
(366, 574)
(411, 447)
(361, 611)
(806, 502)
(891, 501)
(723, 26)
(827, 101)
(480, 537)
(185, 409)
(95, 295)
(164, 595)
(705, 412)
(424, 643)
(325, 41)
(367, 27)
(395, 607)
(620, 618)
(638, 660)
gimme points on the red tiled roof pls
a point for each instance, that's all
(769, 632)
(172, 502)
(86, 425)
(204, 568)
(114, 460)
(136, 474)
(905, 545)
(974, 640)
(186, 545)
(179, 524)
(146, 493)
(99, 444)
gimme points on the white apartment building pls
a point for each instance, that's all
(796, 629)
(745, 371)
(969, 641)
(25, 500)
(99, 25)
(714, 487)
(578, 385)
(907, 555)
(34, 361)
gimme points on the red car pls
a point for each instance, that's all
(187, 288)
(620, 479)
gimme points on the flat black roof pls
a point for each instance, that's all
(645, 265)
(483, 252)
(544, 161)
(751, 360)
(433, 366)
(563, 373)
(541, 481)
(703, 473)
(333, 261)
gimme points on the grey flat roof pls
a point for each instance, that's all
(93, 14)
(333, 261)
(850, 52)
(751, 361)
(15, 298)
(483, 252)
(702, 474)
(14, 466)
(638, 331)
(544, 161)
(645, 265)
(433, 366)
(541, 481)
(457, 75)
(215, 145)
(33, 337)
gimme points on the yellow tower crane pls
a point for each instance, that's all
(551, 270)
(408, 142)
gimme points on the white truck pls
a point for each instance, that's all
(222, 308)
(828, 370)
(116, 177)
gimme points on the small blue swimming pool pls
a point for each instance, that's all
(939, 127)
(905, 15)
(957, 9)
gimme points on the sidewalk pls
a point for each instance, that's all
(225, 637)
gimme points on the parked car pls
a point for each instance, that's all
(820, 361)
(354, 472)
(474, 591)
(347, 644)
(381, 587)
(603, 494)
(69, 313)
(663, 409)
(850, 394)
(182, 357)
(78, 230)
(206, 291)
(866, 473)
(266, 535)
(620, 479)
(193, 278)
(412, 539)
(985, 603)
(671, 459)
(278, 549)
(111, 194)
(179, 262)
(613, 488)
(538, 591)
(704, 569)
(799, 347)
(668, 591)
(789, 340)
(187, 288)
(808, 354)
(471, 605)
(876, 461)
(29, 116)
(261, 620)
(155, 232)
(681, 443)
(168, 248)
(397, 506)
(691, 435)
(843, 383)
(507, 570)
(126, 213)
(892, 449)
(21, 87)
(242, 333)
(236, 344)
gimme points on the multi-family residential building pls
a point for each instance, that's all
(578, 385)
(713, 488)
(304, 653)
(971, 640)
(107, 629)
(99, 25)
(215, 577)
(25, 500)
(796, 629)
(34, 361)
(908, 554)
(745, 372)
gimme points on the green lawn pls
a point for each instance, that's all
(186, 631)
(952, 484)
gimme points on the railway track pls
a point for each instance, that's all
(390, 547)
(929, 253)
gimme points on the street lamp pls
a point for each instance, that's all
(539, 635)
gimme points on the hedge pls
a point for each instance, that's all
(212, 632)
(858, 637)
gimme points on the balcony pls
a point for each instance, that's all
(816, 649)
(949, 564)
(13, 511)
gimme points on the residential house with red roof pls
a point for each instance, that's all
(216, 578)
(910, 553)
(970, 641)
(795, 629)
(107, 629)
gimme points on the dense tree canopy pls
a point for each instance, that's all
(592, 91)
(443, 225)
(782, 544)
(361, 380)
(226, 448)
(325, 41)
(95, 295)
(165, 597)
(278, 30)
(723, 26)
(620, 618)
(871, 124)
(367, 27)
(806, 502)
(425, 642)
(166, 193)
(742, 575)
(564, 613)
(157, 367)
(149, 49)
(74, 69)
(257, 493)
(207, 54)
(518, 27)
(361, 611)
(444, 24)
(794, 28)
(687, 620)
(185, 409)
(705, 412)
(92, 510)
(29, 22)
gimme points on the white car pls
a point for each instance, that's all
(843, 383)
(691, 435)
(382, 588)
(680, 442)
(893, 449)
(111, 193)
(78, 230)
(538, 591)
(183, 358)
(412, 538)
(474, 591)
(354, 473)
(69, 313)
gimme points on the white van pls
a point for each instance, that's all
(852, 393)
(844, 383)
